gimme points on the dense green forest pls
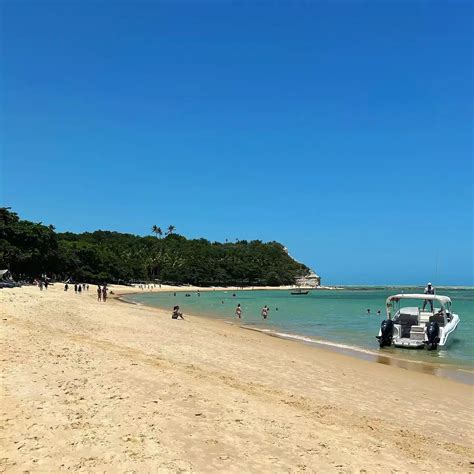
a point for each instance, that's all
(30, 250)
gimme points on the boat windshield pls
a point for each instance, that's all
(415, 307)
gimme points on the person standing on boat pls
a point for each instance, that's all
(429, 290)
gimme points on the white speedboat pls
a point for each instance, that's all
(414, 327)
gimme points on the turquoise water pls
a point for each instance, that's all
(333, 317)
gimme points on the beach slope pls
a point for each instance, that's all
(116, 387)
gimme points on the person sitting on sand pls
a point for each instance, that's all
(177, 314)
(265, 311)
(238, 311)
(99, 293)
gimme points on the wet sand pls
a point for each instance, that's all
(451, 372)
(116, 387)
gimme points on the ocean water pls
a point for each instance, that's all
(334, 318)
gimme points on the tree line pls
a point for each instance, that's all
(30, 250)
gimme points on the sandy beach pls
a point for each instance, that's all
(119, 387)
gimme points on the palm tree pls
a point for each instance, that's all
(157, 230)
(171, 229)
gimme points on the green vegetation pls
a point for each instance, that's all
(30, 250)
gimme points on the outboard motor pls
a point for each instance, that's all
(386, 330)
(432, 336)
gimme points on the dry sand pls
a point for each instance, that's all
(118, 387)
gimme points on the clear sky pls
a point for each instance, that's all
(343, 130)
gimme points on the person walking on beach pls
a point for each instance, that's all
(99, 293)
(75, 287)
(104, 293)
(265, 311)
(429, 290)
(87, 287)
(66, 286)
(79, 288)
(238, 311)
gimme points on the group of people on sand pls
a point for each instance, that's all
(78, 287)
(102, 293)
(146, 286)
(42, 284)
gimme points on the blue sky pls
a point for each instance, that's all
(343, 130)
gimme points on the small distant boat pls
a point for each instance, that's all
(412, 327)
(299, 291)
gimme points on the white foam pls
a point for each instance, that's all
(325, 343)
(349, 347)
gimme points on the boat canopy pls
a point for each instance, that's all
(443, 300)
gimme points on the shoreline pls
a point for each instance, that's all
(455, 372)
(123, 387)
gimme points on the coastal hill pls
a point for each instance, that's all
(30, 250)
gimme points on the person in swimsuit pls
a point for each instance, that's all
(104, 293)
(177, 314)
(238, 311)
(265, 311)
